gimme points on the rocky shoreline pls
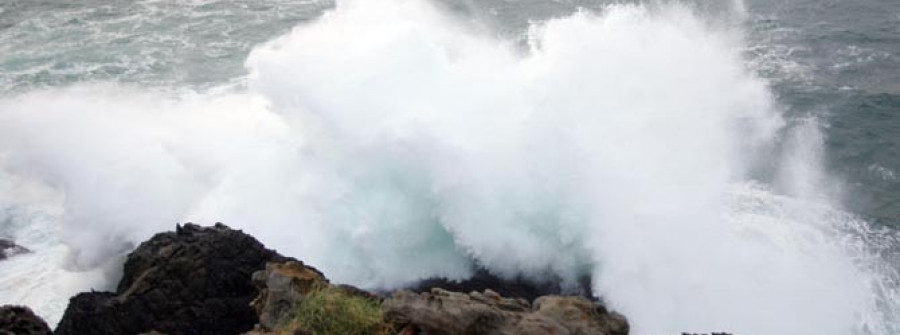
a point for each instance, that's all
(217, 280)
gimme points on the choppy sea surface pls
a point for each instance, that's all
(712, 165)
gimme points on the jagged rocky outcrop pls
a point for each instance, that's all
(9, 248)
(20, 320)
(195, 280)
(216, 280)
(442, 312)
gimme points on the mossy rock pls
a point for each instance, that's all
(332, 310)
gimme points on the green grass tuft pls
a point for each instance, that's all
(332, 311)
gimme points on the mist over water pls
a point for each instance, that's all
(388, 142)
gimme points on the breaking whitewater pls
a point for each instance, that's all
(387, 142)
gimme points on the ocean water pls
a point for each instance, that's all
(711, 165)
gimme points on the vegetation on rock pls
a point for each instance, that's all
(332, 310)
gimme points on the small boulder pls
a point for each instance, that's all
(20, 320)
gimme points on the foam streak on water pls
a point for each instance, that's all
(387, 142)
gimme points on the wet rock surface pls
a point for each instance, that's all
(196, 280)
(20, 320)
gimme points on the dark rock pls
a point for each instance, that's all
(192, 281)
(20, 320)
(9, 248)
(516, 287)
(443, 312)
